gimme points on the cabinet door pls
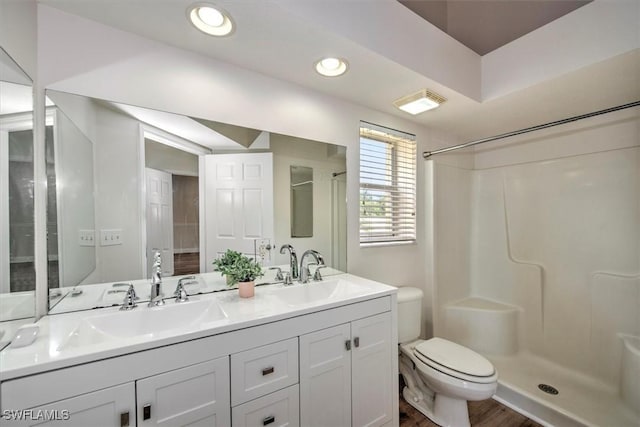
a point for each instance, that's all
(111, 407)
(197, 395)
(371, 371)
(325, 378)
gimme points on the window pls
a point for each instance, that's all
(387, 185)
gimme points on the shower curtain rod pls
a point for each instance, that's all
(428, 154)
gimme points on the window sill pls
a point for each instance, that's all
(384, 244)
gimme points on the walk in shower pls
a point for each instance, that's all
(536, 256)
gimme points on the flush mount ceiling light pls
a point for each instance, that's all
(331, 67)
(210, 19)
(419, 102)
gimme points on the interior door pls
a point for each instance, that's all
(159, 219)
(238, 204)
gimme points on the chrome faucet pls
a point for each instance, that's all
(293, 259)
(304, 269)
(180, 292)
(155, 299)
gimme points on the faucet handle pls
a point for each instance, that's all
(180, 293)
(287, 279)
(316, 275)
(279, 276)
(191, 279)
(129, 287)
(130, 298)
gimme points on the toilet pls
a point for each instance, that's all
(440, 376)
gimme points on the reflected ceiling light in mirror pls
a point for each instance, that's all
(419, 102)
(210, 19)
(332, 67)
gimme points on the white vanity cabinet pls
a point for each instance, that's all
(324, 367)
(196, 395)
(346, 374)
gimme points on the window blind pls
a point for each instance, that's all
(387, 185)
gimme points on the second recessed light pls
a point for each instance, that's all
(332, 67)
(210, 19)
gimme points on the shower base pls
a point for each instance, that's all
(581, 400)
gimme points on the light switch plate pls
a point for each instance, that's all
(87, 237)
(110, 237)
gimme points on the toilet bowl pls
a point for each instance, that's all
(440, 376)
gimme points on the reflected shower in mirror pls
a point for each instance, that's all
(17, 273)
(301, 201)
(146, 181)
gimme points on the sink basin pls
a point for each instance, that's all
(143, 322)
(317, 292)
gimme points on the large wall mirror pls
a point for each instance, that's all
(17, 273)
(127, 182)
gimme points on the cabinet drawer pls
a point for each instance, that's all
(278, 409)
(262, 370)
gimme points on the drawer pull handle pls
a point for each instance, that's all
(347, 344)
(268, 420)
(124, 419)
(356, 342)
(146, 412)
(267, 371)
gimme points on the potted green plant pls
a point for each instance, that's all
(244, 272)
(226, 262)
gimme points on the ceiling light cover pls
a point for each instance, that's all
(332, 67)
(210, 19)
(419, 102)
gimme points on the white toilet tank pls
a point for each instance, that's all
(409, 314)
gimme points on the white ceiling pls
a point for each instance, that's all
(274, 40)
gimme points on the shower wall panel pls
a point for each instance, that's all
(561, 239)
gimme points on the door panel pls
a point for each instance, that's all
(372, 374)
(104, 408)
(239, 196)
(195, 395)
(159, 219)
(325, 378)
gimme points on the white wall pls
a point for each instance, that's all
(75, 201)
(116, 140)
(590, 34)
(18, 33)
(84, 57)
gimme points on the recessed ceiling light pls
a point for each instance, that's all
(331, 67)
(419, 102)
(210, 19)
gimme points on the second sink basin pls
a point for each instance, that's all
(143, 322)
(317, 292)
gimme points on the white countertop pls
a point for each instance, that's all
(49, 351)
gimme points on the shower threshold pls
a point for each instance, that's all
(581, 400)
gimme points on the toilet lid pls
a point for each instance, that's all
(455, 360)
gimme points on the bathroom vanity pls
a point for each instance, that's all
(320, 354)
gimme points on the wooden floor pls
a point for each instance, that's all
(486, 413)
(188, 263)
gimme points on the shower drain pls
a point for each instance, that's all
(548, 388)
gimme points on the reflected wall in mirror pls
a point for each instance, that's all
(301, 201)
(145, 181)
(70, 201)
(17, 273)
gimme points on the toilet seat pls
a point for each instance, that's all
(455, 360)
